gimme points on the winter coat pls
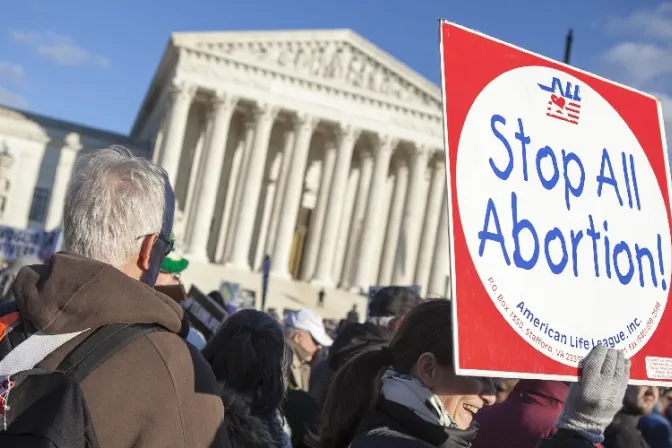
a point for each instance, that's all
(623, 432)
(158, 391)
(527, 416)
(391, 425)
(245, 429)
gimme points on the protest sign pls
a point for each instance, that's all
(205, 314)
(16, 243)
(559, 199)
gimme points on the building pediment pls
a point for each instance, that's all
(340, 58)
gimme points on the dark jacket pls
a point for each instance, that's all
(158, 391)
(246, 429)
(527, 416)
(656, 430)
(391, 425)
(353, 339)
(623, 432)
(565, 439)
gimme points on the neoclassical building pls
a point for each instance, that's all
(315, 148)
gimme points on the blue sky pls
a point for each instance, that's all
(90, 62)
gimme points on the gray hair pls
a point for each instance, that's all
(114, 199)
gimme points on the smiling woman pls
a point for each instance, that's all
(413, 386)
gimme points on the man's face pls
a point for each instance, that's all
(306, 344)
(640, 400)
(158, 252)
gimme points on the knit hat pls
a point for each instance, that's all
(174, 263)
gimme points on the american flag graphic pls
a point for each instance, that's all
(563, 109)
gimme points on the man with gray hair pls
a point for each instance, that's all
(157, 391)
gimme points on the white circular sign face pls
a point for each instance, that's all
(563, 215)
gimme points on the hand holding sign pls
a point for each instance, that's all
(592, 402)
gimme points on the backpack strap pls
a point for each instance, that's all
(101, 345)
(32, 351)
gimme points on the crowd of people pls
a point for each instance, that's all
(92, 353)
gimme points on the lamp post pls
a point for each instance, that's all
(568, 46)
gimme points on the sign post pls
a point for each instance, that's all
(559, 198)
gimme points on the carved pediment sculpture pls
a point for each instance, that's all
(337, 61)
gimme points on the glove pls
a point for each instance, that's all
(593, 402)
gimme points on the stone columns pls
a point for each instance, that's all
(372, 221)
(345, 141)
(317, 217)
(293, 192)
(290, 139)
(66, 162)
(253, 178)
(237, 184)
(223, 108)
(437, 190)
(411, 221)
(394, 223)
(175, 127)
(354, 234)
(441, 262)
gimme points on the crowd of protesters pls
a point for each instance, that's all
(258, 381)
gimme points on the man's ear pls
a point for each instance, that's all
(145, 254)
(426, 369)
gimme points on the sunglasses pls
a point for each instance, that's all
(169, 244)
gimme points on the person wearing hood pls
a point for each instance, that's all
(8, 275)
(158, 391)
(249, 358)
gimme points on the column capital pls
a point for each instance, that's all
(399, 162)
(181, 89)
(346, 132)
(304, 121)
(421, 149)
(223, 99)
(386, 143)
(73, 141)
(265, 112)
(438, 159)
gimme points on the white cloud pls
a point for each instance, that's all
(654, 23)
(12, 99)
(639, 63)
(62, 50)
(11, 71)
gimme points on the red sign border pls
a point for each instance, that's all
(545, 368)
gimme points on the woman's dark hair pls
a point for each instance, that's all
(354, 388)
(248, 355)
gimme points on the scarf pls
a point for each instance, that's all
(281, 429)
(411, 393)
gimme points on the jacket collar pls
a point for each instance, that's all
(398, 418)
(73, 293)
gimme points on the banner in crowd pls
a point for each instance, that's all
(204, 313)
(559, 199)
(15, 243)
